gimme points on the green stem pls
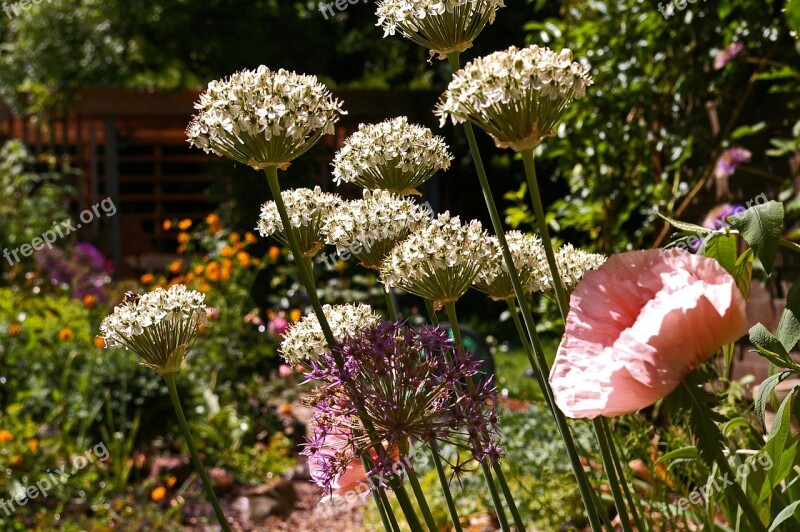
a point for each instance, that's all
(421, 501)
(408, 508)
(388, 509)
(741, 497)
(544, 233)
(498, 505)
(448, 496)
(431, 313)
(379, 501)
(198, 465)
(305, 274)
(501, 479)
(640, 525)
(608, 463)
(390, 305)
(587, 495)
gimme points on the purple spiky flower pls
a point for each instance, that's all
(730, 159)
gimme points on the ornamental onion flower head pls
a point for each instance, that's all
(159, 326)
(572, 266)
(392, 155)
(307, 209)
(263, 118)
(305, 341)
(441, 26)
(517, 95)
(529, 259)
(405, 384)
(440, 261)
(369, 228)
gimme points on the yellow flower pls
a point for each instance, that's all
(5, 436)
(65, 335)
(89, 301)
(175, 267)
(14, 329)
(158, 494)
(274, 253)
(234, 237)
(99, 342)
(250, 238)
(184, 224)
(147, 278)
(183, 238)
(33, 445)
(227, 251)
(295, 315)
(166, 225)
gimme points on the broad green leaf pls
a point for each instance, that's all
(761, 226)
(770, 347)
(788, 331)
(784, 515)
(722, 247)
(779, 436)
(765, 394)
(743, 272)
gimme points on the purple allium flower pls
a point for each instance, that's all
(717, 217)
(726, 54)
(730, 159)
(393, 385)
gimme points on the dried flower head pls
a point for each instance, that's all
(159, 326)
(305, 341)
(439, 261)
(572, 266)
(441, 26)
(404, 384)
(392, 155)
(369, 228)
(263, 118)
(529, 259)
(515, 95)
(307, 209)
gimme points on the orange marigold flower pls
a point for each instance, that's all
(295, 315)
(250, 238)
(89, 301)
(256, 261)
(234, 237)
(244, 258)
(227, 251)
(285, 409)
(199, 269)
(99, 342)
(274, 253)
(225, 274)
(5, 436)
(171, 482)
(65, 335)
(166, 225)
(33, 445)
(183, 238)
(175, 267)
(212, 219)
(184, 224)
(17, 460)
(204, 288)
(14, 329)
(158, 494)
(147, 278)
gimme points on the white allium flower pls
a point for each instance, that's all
(572, 266)
(307, 209)
(159, 326)
(263, 118)
(441, 26)
(439, 261)
(529, 259)
(392, 155)
(369, 228)
(305, 341)
(516, 95)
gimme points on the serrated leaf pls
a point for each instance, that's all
(722, 247)
(788, 331)
(691, 399)
(765, 394)
(784, 515)
(761, 226)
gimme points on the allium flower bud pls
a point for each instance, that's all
(159, 326)
(263, 118)
(307, 209)
(392, 155)
(517, 95)
(441, 26)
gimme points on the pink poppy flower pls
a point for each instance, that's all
(638, 326)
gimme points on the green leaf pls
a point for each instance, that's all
(692, 400)
(684, 454)
(770, 347)
(779, 436)
(744, 131)
(761, 226)
(788, 331)
(743, 273)
(765, 394)
(722, 247)
(784, 515)
(683, 226)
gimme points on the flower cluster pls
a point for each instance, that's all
(442, 26)
(395, 385)
(392, 155)
(516, 95)
(159, 326)
(263, 118)
(305, 341)
(440, 261)
(371, 227)
(307, 209)
(572, 266)
(529, 260)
